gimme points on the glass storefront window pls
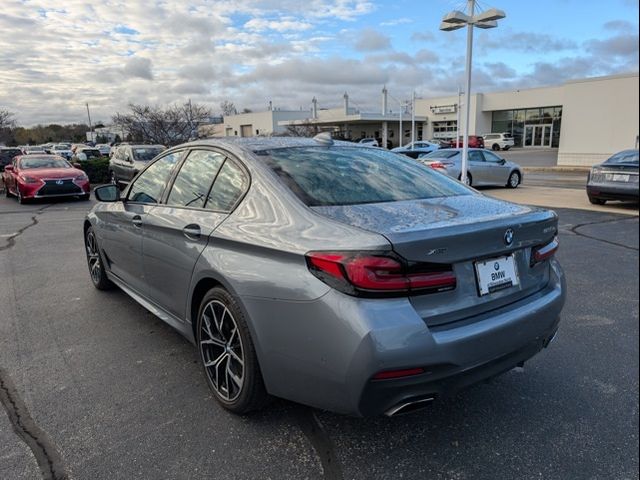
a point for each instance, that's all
(516, 121)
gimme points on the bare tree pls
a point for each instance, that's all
(170, 126)
(301, 130)
(6, 119)
(228, 108)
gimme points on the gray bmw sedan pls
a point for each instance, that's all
(338, 276)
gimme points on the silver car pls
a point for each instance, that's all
(485, 168)
(343, 277)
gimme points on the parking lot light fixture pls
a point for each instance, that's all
(454, 21)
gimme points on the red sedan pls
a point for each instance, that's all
(44, 176)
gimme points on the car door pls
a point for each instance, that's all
(123, 222)
(497, 171)
(10, 177)
(205, 190)
(477, 167)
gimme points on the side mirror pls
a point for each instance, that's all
(8, 168)
(502, 161)
(107, 193)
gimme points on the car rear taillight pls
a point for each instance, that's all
(375, 274)
(440, 165)
(544, 252)
(389, 374)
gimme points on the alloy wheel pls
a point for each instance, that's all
(93, 257)
(222, 350)
(514, 180)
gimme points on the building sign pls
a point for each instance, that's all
(443, 109)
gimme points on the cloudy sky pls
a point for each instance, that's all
(57, 55)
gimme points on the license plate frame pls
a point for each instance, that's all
(496, 274)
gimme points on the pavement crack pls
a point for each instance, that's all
(574, 230)
(321, 443)
(45, 452)
(11, 239)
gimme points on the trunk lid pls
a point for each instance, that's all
(459, 231)
(450, 229)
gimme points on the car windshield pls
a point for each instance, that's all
(442, 154)
(322, 176)
(43, 162)
(145, 154)
(628, 156)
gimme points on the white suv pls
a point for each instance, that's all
(498, 141)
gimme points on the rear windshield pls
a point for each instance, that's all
(145, 154)
(628, 156)
(322, 176)
(444, 153)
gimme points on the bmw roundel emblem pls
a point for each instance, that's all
(508, 236)
(496, 266)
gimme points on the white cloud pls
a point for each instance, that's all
(113, 52)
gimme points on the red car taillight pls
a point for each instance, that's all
(370, 273)
(440, 165)
(544, 252)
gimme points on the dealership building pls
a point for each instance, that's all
(586, 120)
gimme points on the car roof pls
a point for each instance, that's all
(257, 144)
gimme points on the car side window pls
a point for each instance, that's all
(193, 182)
(149, 186)
(491, 157)
(475, 156)
(229, 186)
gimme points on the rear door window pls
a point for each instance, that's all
(193, 183)
(230, 184)
(475, 156)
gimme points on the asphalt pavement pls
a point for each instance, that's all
(96, 387)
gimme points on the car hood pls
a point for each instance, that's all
(52, 172)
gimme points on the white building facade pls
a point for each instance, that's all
(585, 120)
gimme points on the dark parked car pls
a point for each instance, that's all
(127, 160)
(614, 179)
(344, 277)
(7, 154)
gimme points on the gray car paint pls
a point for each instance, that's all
(483, 173)
(315, 344)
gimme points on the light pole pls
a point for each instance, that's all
(453, 21)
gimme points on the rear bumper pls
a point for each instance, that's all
(608, 191)
(324, 353)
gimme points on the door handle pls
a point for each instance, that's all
(192, 231)
(137, 221)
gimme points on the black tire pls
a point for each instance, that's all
(251, 395)
(469, 179)
(85, 197)
(514, 180)
(95, 262)
(21, 200)
(6, 191)
(495, 147)
(597, 201)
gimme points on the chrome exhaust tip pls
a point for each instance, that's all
(409, 406)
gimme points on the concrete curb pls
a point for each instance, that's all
(568, 169)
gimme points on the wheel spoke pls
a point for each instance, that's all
(222, 350)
